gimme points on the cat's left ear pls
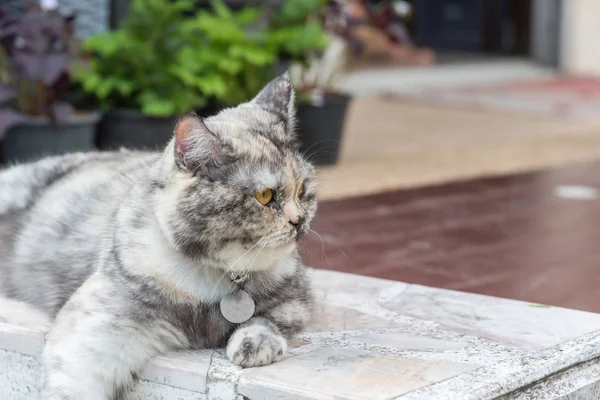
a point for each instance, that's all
(196, 147)
(278, 96)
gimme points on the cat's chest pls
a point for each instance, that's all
(205, 326)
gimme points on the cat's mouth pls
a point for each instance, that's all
(282, 240)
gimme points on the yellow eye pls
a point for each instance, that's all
(301, 190)
(264, 197)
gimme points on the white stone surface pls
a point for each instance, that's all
(370, 339)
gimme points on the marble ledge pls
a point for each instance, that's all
(370, 339)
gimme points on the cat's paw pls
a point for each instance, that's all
(254, 346)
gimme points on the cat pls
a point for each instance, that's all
(132, 252)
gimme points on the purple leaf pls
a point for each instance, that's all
(8, 28)
(31, 64)
(9, 118)
(54, 66)
(7, 93)
(32, 31)
(60, 112)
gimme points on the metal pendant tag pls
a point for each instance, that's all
(237, 307)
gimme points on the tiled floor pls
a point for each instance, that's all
(533, 237)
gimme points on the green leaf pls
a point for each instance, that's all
(220, 9)
(91, 82)
(231, 66)
(153, 105)
(248, 15)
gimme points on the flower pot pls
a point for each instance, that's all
(210, 109)
(130, 129)
(320, 128)
(38, 137)
(133, 130)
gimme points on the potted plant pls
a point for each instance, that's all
(169, 57)
(317, 59)
(36, 54)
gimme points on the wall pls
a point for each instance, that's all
(545, 32)
(580, 38)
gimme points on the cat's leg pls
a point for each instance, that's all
(98, 343)
(263, 340)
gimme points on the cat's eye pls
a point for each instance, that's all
(301, 190)
(264, 197)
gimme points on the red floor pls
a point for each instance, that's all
(510, 237)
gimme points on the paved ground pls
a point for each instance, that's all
(574, 98)
(376, 80)
(390, 144)
(531, 237)
(398, 142)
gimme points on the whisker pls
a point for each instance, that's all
(325, 150)
(129, 179)
(319, 142)
(255, 257)
(322, 242)
(344, 254)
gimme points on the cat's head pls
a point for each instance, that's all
(236, 188)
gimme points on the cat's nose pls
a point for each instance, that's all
(297, 221)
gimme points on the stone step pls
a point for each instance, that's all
(370, 339)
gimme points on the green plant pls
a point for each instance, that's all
(169, 58)
(296, 29)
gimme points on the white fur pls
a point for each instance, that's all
(291, 312)
(267, 347)
(84, 353)
(266, 178)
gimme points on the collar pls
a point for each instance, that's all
(239, 279)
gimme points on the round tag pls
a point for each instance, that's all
(237, 307)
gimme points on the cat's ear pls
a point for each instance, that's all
(278, 96)
(196, 147)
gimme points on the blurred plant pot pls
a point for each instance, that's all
(128, 128)
(320, 128)
(38, 137)
(212, 108)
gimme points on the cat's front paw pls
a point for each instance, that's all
(254, 346)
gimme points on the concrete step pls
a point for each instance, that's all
(370, 339)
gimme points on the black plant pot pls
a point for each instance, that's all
(212, 108)
(131, 129)
(37, 137)
(320, 128)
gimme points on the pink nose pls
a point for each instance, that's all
(297, 221)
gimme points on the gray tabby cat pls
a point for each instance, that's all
(133, 251)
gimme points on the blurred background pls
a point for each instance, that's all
(457, 141)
